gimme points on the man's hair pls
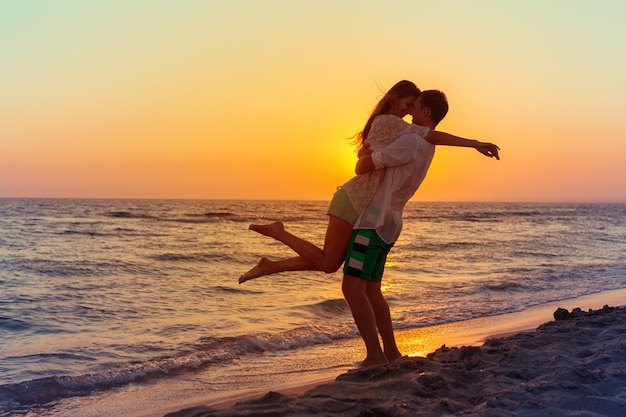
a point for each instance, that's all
(437, 102)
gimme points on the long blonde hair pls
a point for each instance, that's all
(400, 90)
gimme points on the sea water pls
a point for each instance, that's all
(112, 297)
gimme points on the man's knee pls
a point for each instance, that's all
(351, 286)
(373, 289)
(346, 289)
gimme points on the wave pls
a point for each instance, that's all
(234, 290)
(14, 325)
(78, 268)
(230, 217)
(203, 353)
(504, 286)
(191, 257)
(329, 308)
(506, 212)
(217, 215)
(128, 215)
(442, 247)
(213, 217)
(89, 233)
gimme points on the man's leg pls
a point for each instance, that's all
(383, 320)
(354, 290)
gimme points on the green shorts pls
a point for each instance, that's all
(340, 206)
(366, 257)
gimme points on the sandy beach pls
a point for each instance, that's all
(574, 365)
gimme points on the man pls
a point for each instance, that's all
(406, 162)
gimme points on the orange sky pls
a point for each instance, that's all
(258, 100)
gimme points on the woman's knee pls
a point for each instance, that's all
(331, 261)
(330, 266)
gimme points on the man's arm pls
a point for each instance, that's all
(441, 138)
(398, 153)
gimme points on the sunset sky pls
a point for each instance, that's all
(235, 99)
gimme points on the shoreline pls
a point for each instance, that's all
(415, 343)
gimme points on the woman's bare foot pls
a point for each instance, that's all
(271, 230)
(260, 269)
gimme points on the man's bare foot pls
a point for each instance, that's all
(271, 230)
(260, 269)
(394, 357)
(372, 362)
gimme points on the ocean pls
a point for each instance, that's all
(108, 306)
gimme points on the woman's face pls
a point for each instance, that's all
(404, 106)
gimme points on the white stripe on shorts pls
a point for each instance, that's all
(356, 264)
(362, 240)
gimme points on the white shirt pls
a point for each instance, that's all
(385, 129)
(406, 162)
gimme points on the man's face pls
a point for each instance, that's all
(419, 114)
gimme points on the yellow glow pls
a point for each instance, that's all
(225, 100)
(420, 344)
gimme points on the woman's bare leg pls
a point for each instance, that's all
(311, 258)
(267, 267)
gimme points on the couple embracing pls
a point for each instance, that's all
(365, 214)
